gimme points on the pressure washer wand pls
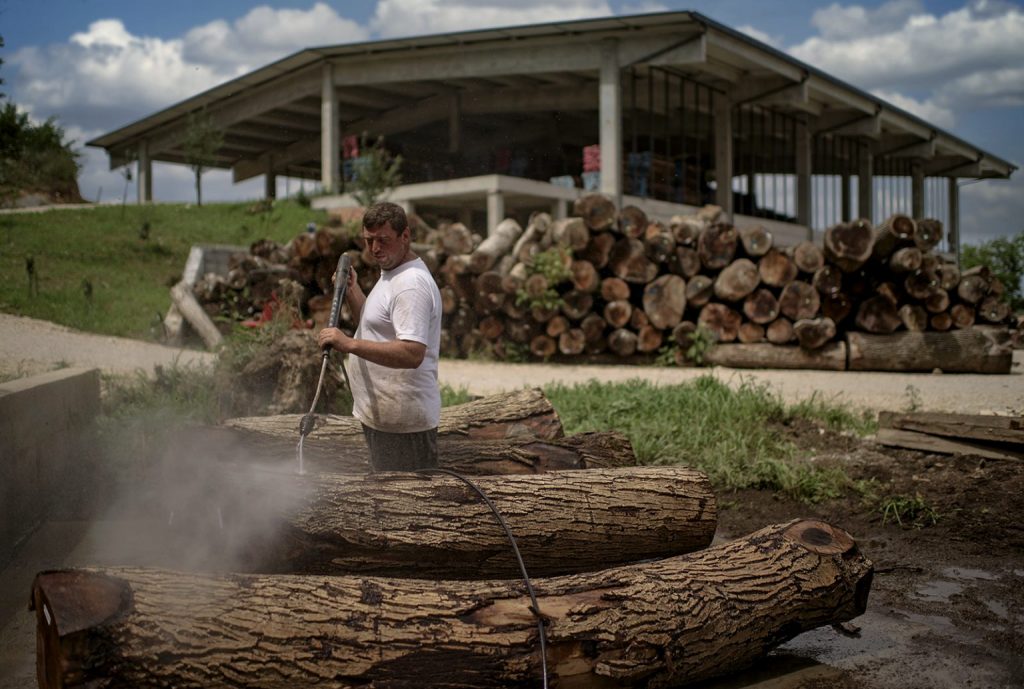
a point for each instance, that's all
(340, 285)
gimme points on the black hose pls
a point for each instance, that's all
(534, 606)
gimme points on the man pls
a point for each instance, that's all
(392, 363)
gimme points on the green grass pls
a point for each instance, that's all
(731, 434)
(130, 277)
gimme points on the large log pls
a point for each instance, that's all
(848, 245)
(780, 331)
(831, 357)
(799, 300)
(927, 234)
(664, 301)
(699, 290)
(598, 249)
(435, 526)
(972, 350)
(632, 221)
(878, 315)
(717, 245)
(761, 306)
(722, 321)
(808, 257)
(814, 333)
(498, 243)
(623, 342)
(628, 260)
(897, 230)
(737, 280)
(521, 413)
(756, 240)
(571, 233)
(598, 212)
(685, 262)
(776, 269)
(654, 624)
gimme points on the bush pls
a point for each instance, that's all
(1005, 257)
(35, 158)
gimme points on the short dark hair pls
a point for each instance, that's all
(386, 212)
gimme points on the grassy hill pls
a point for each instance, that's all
(108, 269)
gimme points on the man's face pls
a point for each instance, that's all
(388, 247)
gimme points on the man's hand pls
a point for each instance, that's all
(335, 339)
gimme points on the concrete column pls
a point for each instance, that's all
(865, 186)
(270, 181)
(495, 209)
(144, 176)
(560, 209)
(466, 216)
(953, 224)
(610, 103)
(723, 155)
(916, 191)
(330, 139)
(454, 124)
(846, 200)
(751, 191)
(804, 199)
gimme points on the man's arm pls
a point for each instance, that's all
(394, 354)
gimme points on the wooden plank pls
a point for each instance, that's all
(181, 295)
(913, 440)
(985, 427)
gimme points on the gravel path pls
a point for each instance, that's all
(29, 346)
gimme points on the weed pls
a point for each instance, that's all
(914, 402)
(554, 265)
(907, 511)
(666, 356)
(834, 415)
(451, 396)
(725, 432)
(701, 342)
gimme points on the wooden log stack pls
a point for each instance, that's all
(615, 283)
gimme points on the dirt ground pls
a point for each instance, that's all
(947, 603)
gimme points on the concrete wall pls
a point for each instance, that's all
(43, 425)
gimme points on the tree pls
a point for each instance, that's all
(376, 172)
(202, 141)
(1005, 257)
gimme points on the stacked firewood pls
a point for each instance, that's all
(613, 281)
(358, 579)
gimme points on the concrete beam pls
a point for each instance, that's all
(610, 107)
(330, 140)
(904, 146)
(867, 126)
(260, 99)
(847, 211)
(722, 45)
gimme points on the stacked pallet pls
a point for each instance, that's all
(398, 579)
(981, 435)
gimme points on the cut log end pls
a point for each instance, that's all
(821, 538)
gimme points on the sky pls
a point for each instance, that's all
(97, 65)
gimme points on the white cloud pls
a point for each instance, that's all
(416, 17)
(911, 46)
(265, 34)
(998, 88)
(927, 109)
(991, 208)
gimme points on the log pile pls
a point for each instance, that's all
(629, 593)
(609, 282)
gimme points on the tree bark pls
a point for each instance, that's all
(761, 306)
(973, 286)
(498, 243)
(685, 262)
(914, 317)
(737, 280)
(878, 315)
(927, 234)
(629, 261)
(652, 624)
(664, 301)
(808, 257)
(509, 415)
(598, 212)
(750, 333)
(699, 290)
(849, 245)
(828, 280)
(776, 269)
(617, 313)
(814, 333)
(598, 249)
(686, 229)
(780, 331)
(756, 240)
(897, 230)
(659, 244)
(584, 276)
(905, 260)
(722, 321)
(632, 221)
(571, 233)
(831, 357)
(972, 350)
(799, 301)
(456, 239)
(572, 342)
(717, 246)
(622, 342)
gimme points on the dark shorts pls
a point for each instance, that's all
(401, 451)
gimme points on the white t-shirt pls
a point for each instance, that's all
(405, 304)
